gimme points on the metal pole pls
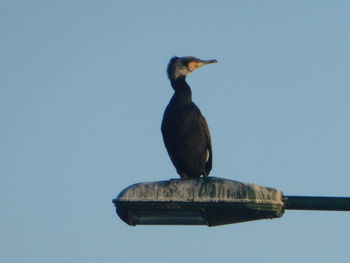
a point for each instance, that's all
(317, 203)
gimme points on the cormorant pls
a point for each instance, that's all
(185, 131)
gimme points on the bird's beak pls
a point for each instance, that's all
(209, 61)
(196, 64)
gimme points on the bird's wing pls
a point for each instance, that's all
(208, 164)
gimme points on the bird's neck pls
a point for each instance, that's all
(182, 89)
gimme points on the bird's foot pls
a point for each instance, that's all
(184, 176)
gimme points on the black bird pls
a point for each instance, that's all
(185, 132)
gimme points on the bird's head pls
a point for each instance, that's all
(182, 67)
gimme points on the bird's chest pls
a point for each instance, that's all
(180, 120)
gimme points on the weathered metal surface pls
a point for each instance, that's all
(211, 201)
(210, 189)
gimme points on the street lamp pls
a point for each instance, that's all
(211, 201)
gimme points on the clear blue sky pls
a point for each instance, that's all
(82, 93)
